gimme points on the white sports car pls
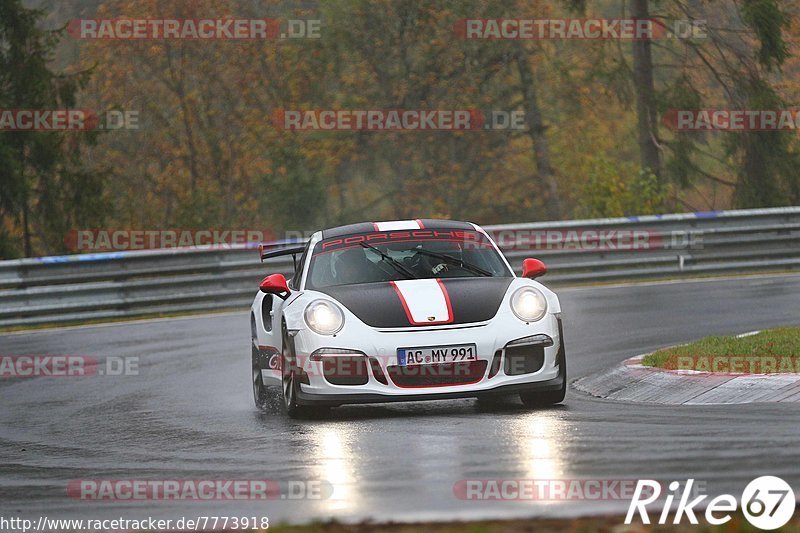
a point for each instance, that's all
(405, 311)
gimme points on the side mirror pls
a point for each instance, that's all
(275, 284)
(533, 268)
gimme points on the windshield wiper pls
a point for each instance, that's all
(400, 267)
(455, 261)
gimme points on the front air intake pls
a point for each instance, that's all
(525, 359)
(345, 369)
(438, 375)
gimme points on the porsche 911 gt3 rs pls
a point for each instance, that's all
(404, 311)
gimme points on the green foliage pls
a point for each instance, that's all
(208, 156)
(648, 194)
(780, 342)
(767, 160)
(679, 166)
(621, 189)
(43, 188)
(768, 21)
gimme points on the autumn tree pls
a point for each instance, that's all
(45, 188)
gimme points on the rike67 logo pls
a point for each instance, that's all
(768, 502)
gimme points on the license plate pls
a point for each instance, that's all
(431, 355)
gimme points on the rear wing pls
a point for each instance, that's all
(272, 250)
(279, 249)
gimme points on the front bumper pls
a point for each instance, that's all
(491, 340)
(310, 398)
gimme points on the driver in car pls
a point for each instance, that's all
(352, 266)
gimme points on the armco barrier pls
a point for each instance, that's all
(127, 284)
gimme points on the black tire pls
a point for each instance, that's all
(545, 398)
(289, 382)
(260, 392)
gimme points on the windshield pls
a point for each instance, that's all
(393, 256)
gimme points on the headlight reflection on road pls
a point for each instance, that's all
(539, 439)
(337, 467)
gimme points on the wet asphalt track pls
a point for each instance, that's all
(189, 415)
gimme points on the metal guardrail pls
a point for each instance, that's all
(85, 287)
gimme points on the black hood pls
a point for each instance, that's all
(380, 306)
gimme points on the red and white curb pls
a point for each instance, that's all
(634, 382)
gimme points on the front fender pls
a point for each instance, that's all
(553, 304)
(293, 310)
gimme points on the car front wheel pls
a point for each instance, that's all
(260, 394)
(290, 384)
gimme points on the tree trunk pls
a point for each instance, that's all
(26, 230)
(647, 117)
(536, 130)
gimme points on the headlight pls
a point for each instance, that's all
(528, 304)
(324, 317)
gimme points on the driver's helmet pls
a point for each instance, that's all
(428, 265)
